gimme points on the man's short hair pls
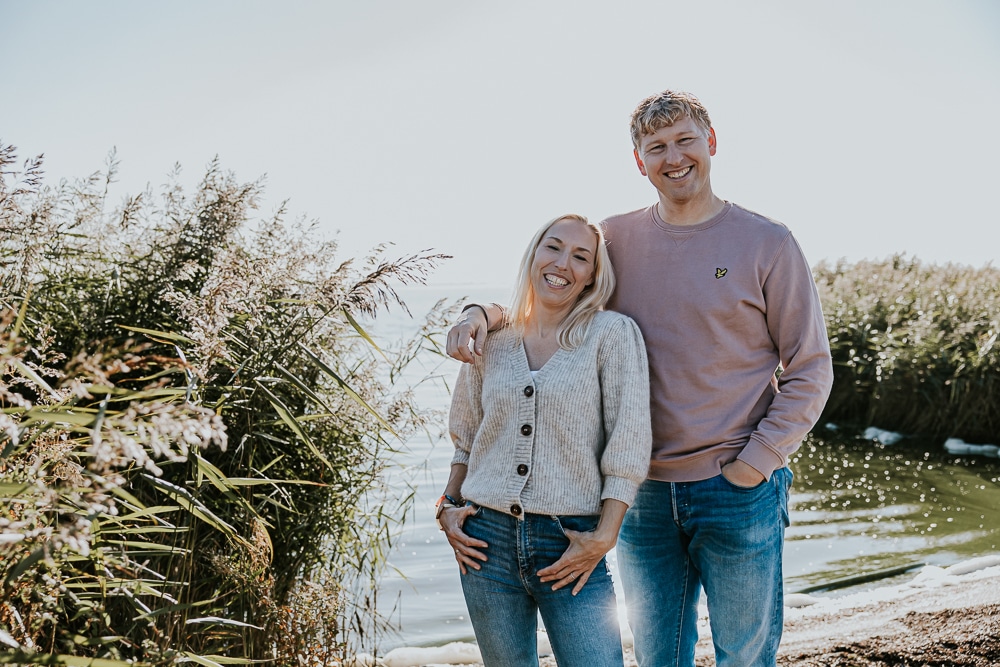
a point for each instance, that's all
(666, 108)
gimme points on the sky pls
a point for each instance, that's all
(868, 127)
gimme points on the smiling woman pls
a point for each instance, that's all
(552, 438)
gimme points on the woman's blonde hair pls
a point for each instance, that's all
(573, 328)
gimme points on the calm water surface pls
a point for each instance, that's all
(856, 508)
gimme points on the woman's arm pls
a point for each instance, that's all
(452, 519)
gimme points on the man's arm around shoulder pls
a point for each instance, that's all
(472, 327)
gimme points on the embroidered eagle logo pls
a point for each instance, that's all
(719, 273)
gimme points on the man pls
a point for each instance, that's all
(725, 301)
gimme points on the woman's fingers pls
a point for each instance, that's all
(575, 565)
(582, 581)
(466, 547)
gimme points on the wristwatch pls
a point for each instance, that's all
(443, 502)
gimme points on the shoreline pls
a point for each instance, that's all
(941, 616)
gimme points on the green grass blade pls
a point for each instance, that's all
(323, 366)
(159, 336)
(286, 416)
(184, 498)
(363, 333)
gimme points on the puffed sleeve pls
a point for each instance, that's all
(466, 410)
(624, 375)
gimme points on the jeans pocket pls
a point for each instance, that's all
(733, 485)
(584, 523)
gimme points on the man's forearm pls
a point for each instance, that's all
(495, 314)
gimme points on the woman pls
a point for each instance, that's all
(552, 439)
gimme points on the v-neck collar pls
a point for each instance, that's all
(521, 360)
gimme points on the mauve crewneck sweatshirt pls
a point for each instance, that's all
(720, 304)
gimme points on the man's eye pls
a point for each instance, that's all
(686, 140)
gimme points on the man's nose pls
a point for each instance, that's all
(674, 154)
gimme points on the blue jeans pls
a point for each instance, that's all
(506, 595)
(679, 537)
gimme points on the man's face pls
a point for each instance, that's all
(677, 160)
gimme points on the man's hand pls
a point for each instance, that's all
(742, 474)
(471, 327)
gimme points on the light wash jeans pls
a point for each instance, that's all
(679, 537)
(505, 596)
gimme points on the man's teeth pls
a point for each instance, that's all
(678, 174)
(556, 281)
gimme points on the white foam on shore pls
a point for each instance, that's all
(961, 447)
(882, 436)
(928, 577)
(798, 605)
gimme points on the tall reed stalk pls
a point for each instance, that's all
(194, 427)
(914, 347)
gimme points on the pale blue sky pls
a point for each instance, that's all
(867, 126)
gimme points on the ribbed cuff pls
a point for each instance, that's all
(620, 488)
(761, 458)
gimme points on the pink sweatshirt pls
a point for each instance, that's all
(720, 305)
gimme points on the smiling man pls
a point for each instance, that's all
(723, 297)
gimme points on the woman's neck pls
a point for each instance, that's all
(544, 323)
(541, 335)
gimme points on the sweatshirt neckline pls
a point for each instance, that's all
(687, 229)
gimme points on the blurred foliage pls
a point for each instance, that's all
(194, 426)
(914, 347)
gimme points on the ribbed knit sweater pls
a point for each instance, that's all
(563, 441)
(720, 305)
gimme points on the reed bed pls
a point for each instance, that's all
(914, 347)
(194, 427)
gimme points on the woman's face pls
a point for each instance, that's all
(563, 264)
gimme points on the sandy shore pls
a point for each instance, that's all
(941, 618)
(954, 623)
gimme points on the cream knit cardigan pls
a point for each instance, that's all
(579, 432)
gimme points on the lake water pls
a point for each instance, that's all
(857, 507)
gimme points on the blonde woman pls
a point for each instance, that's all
(552, 440)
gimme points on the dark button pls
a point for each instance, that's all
(515, 510)
(522, 470)
(529, 391)
(526, 429)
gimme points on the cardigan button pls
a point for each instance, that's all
(526, 429)
(515, 510)
(522, 470)
(529, 391)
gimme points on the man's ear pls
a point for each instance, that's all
(712, 142)
(638, 162)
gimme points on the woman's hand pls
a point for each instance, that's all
(584, 552)
(466, 552)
